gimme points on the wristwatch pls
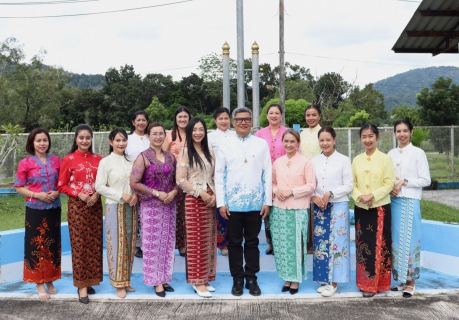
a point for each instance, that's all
(406, 182)
(157, 194)
(331, 194)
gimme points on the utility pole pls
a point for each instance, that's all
(240, 55)
(281, 60)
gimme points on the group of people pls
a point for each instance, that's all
(196, 192)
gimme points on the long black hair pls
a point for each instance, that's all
(112, 136)
(134, 116)
(175, 127)
(81, 127)
(193, 156)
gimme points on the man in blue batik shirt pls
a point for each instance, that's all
(243, 183)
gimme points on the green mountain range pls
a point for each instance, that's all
(403, 87)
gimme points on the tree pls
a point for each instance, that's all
(359, 119)
(405, 112)
(370, 100)
(440, 107)
(30, 93)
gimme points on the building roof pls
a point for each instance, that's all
(433, 28)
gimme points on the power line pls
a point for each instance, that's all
(102, 12)
(43, 3)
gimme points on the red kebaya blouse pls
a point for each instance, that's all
(78, 173)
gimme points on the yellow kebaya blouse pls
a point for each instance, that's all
(309, 146)
(373, 174)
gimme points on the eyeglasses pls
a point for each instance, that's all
(157, 134)
(240, 120)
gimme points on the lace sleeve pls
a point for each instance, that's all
(182, 174)
(138, 170)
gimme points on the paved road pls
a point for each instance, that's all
(448, 197)
(419, 307)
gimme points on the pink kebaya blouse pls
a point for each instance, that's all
(276, 148)
(39, 177)
(175, 145)
(295, 174)
(78, 173)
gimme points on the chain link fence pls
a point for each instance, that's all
(441, 146)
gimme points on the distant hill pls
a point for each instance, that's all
(402, 88)
(85, 81)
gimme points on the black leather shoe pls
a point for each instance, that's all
(91, 290)
(84, 300)
(294, 291)
(168, 288)
(161, 294)
(253, 287)
(269, 251)
(285, 289)
(238, 288)
(139, 253)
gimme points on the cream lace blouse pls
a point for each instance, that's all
(193, 180)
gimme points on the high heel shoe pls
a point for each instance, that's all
(84, 300)
(205, 294)
(168, 288)
(210, 288)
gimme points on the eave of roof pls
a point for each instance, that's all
(433, 28)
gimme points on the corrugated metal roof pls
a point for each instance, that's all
(422, 22)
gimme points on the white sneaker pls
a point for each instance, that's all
(321, 288)
(329, 290)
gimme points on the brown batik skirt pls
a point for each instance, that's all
(85, 228)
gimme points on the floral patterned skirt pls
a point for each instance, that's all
(331, 243)
(406, 236)
(373, 241)
(42, 245)
(289, 230)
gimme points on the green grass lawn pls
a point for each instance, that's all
(12, 212)
(431, 210)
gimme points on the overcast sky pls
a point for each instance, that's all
(351, 37)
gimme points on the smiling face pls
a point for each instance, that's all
(41, 144)
(156, 136)
(327, 143)
(223, 121)
(403, 134)
(182, 119)
(312, 117)
(274, 116)
(290, 144)
(242, 123)
(198, 133)
(140, 123)
(83, 140)
(369, 139)
(119, 144)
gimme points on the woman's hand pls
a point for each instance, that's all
(93, 199)
(126, 197)
(205, 197)
(397, 188)
(318, 201)
(133, 200)
(170, 196)
(212, 201)
(283, 194)
(83, 197)
(44, 196)
(366, 199)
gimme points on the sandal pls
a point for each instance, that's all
(51, 288)
(42, 295)
(409, 294)
(400, 287)
(129, 289)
